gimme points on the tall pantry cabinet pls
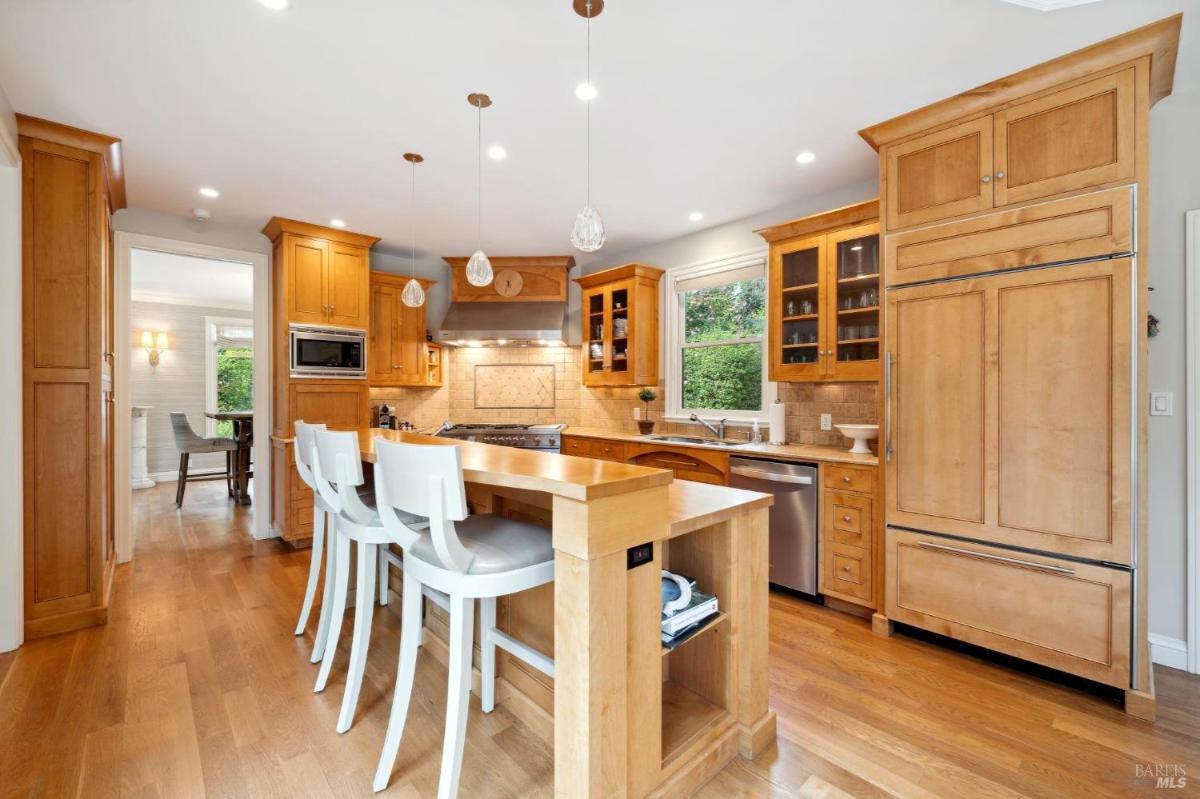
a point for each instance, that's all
(1014, 222)
(320, 278)
(72, 183)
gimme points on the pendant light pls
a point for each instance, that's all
(588, 233)
(479, 268)
(413, 295)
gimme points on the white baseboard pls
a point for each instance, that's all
(1167, 651)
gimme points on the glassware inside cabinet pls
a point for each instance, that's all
(857, 299)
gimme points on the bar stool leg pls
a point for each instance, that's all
(364, 608)
(327, 595)
(406, 668)
(487, 654)
(336, 612)
(462, 623)
(314, 568)
(384, 563)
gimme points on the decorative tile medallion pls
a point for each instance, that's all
(514, 385)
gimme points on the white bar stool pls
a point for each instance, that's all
(465, 557)
(336, 454)
(303, 453)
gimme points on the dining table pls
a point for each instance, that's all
(243, 433)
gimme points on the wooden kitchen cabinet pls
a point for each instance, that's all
(1012, 418)
(71, 184)
(1069, 138)
(397, 352)
(848, 539)
(325, 273)
(620, 326)
(823, 296)
(320, 276)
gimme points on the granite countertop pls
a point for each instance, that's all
(787, 452)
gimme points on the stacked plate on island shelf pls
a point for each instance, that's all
(685, 610)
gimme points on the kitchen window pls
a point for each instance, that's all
(716, 318)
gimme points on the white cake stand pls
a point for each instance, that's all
(861, 434)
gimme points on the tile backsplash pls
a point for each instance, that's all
(605, 408)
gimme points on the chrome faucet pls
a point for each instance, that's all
(717, 429)
(443, 427)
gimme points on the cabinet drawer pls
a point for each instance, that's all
(848, 518)
(1063, 614)
(848, 478)
(687, 464)
(302, 518)
(846, 572)
(1076, 228)
(594, 448)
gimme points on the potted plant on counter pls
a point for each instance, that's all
(645, 425)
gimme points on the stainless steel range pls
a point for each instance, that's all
(540, 437)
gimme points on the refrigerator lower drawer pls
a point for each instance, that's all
(1063, 614)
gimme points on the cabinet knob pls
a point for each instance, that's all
(986, 179)
(846, 569)
(846, 518)
(1000, 175)
(846, 478)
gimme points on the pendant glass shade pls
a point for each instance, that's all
(479, 269)
(413, 295)
(588, 233)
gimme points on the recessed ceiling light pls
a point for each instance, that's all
(695, 216)
(806, 157)
(274, 5)
(497, 153)
(338, 222)
(210, 192)
(586, 91)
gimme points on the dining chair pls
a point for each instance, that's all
(188, 444)
(338, 476)
(465, 557)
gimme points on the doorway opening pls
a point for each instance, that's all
(193, 392)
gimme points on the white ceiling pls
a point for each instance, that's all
(184, 280)
(703, 104)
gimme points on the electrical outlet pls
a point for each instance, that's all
(826, 421)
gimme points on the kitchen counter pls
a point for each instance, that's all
(785, 452)
(625, 716)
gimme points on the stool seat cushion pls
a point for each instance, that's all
(202, 445)
(498, 544)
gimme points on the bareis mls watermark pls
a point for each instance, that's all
(1162, 775)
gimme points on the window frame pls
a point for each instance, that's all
(211, 323)
(674, 337)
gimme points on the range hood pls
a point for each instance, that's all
(504, 324)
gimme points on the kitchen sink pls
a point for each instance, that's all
(704, 442)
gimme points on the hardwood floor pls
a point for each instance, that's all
(197, 687)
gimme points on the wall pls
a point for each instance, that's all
(177, 383)
(11, 529)
(1174, 189)
(181, 228)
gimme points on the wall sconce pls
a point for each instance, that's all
(154, 345)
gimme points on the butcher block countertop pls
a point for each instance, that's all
(582, 479)
(783, 452)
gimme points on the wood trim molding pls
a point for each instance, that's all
(846, 216)
(619, 273)
(545, 278)
(279, 225)
(515, 261)
(400, 281)
(1159, 41)
(109, 148)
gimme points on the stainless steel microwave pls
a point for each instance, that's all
(328, 352)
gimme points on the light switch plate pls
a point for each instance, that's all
(1162, 403)
(826, 421)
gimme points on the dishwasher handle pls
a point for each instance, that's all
(774, 477)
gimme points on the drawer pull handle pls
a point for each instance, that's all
(846, 519)
(970, 553)
(846, 478)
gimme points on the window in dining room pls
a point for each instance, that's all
(230, 366)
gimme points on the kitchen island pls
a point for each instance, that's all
(625, 716)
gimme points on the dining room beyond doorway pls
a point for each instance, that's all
(192, 372)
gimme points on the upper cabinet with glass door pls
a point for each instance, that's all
(823, 296)
(620, 326)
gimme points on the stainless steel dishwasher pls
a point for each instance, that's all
(793, 516)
